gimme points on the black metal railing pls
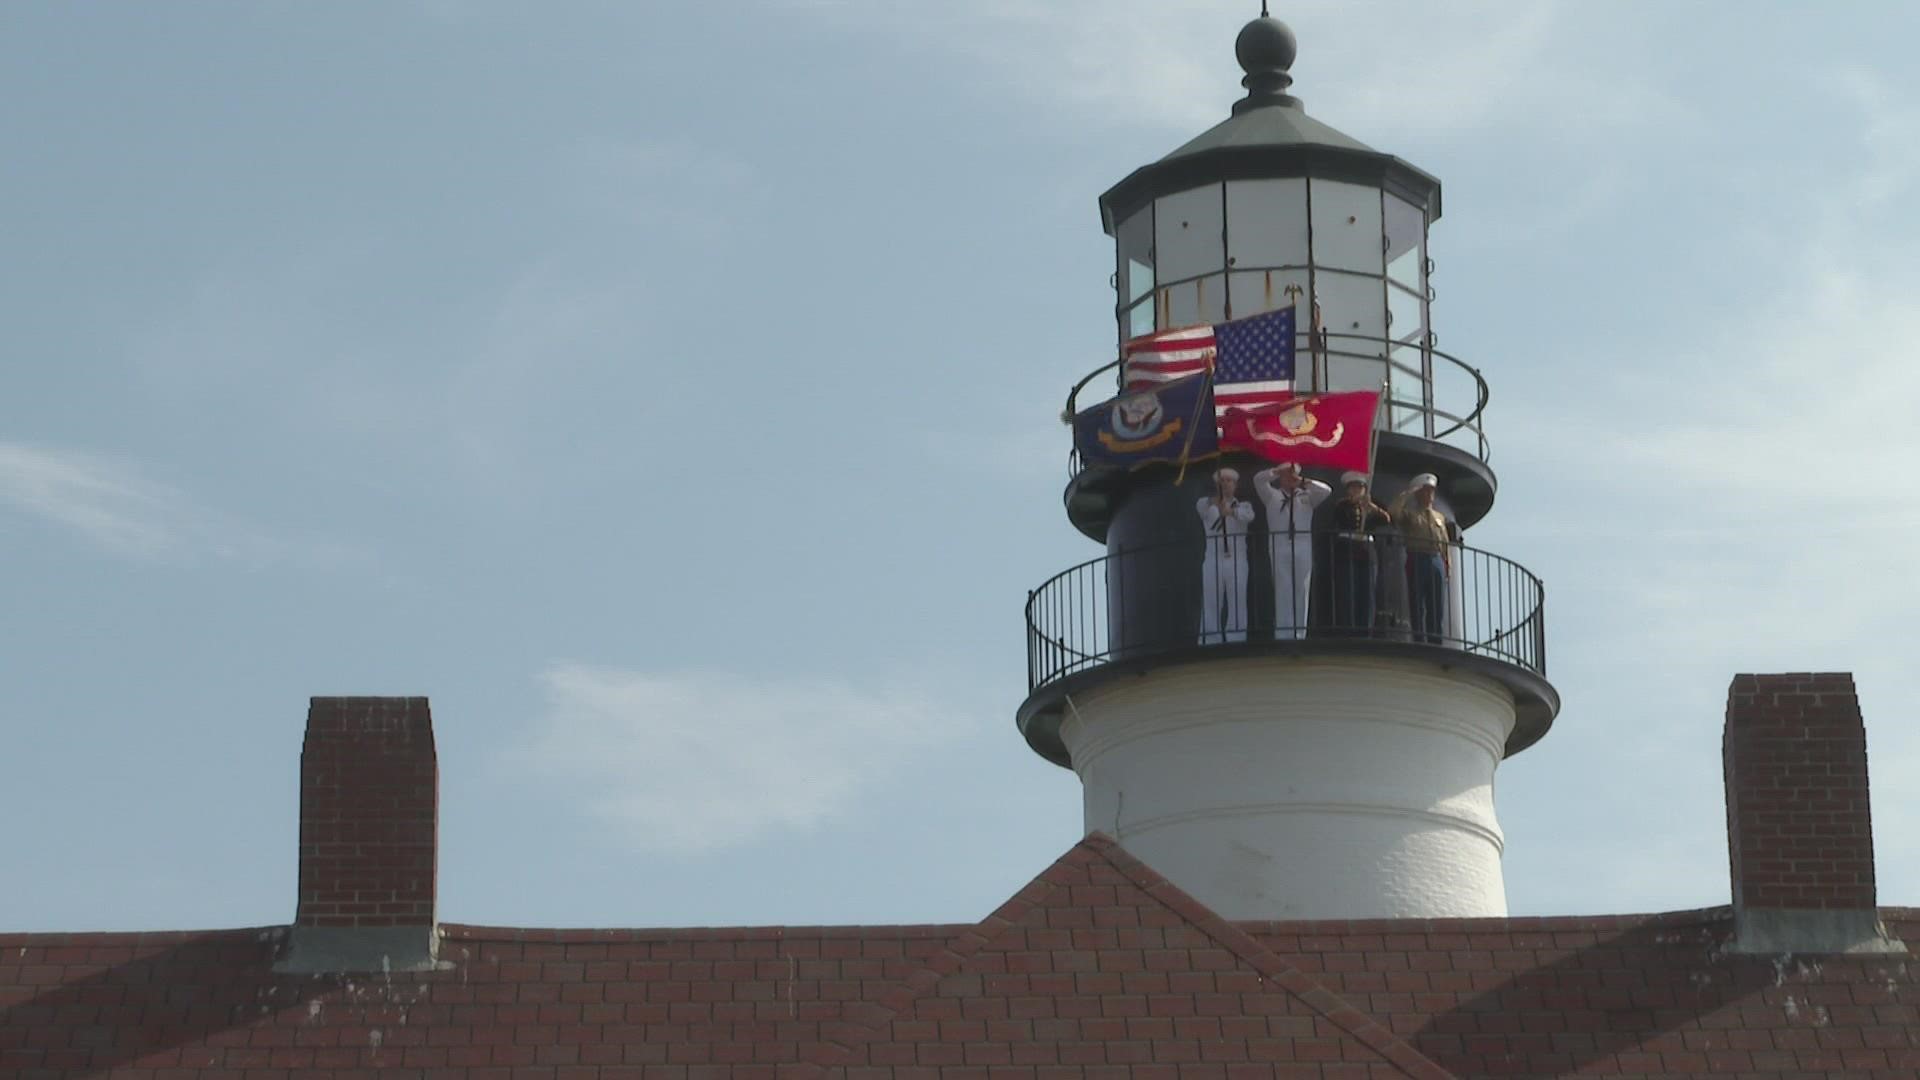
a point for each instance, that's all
(1442, 412)
(1133, 603)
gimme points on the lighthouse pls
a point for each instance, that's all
(1288, 689)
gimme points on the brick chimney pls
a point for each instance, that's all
(1799, 831)
(369, 837)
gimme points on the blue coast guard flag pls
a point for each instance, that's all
(1153, 423)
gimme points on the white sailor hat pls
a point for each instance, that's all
(1424, 480)
(1227, 472)
(1353, 478)
(1288, 466)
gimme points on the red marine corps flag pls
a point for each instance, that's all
(1333, 431)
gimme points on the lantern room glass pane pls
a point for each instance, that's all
(1408, 389)
(1255, 291)
(1354, 373)
(1139, 319)
(1346, 227)
(1266, 224)
(1455, 394)
(1186, 235)
(1406, 226)
(1353, 310)
(1406, 314)
(1203, 300)
(1134, 240)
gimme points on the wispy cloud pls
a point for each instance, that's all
(1729, 497)
(112, 504)
(1888, 137)
(1795, 405)
(1540, 78)
(685, 762)
(1154, 64)
(1752, 489)
(1130, 61)
(103, 500)
(309, 338)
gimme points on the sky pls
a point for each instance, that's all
(670, 392)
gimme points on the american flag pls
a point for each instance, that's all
(1252, 359)
(1254, 365)
(1159, 358)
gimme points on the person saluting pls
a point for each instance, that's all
(1290, 499)
(1223, 570)
(1429, 556)
(1354, 517)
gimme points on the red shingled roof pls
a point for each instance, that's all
(1651, 995)
(1101, 965)
(1097, 968)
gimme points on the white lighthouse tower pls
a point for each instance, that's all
(1315, 764)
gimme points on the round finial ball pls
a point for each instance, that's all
(1265, 44)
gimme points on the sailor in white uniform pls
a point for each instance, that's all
(1223, 571)
(1290, 504)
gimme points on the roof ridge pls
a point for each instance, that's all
(863, 1022)
(751, 932)
(1499, 924)
(1338, 1010)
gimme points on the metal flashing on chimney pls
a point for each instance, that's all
(331, 950)
(1773, 931)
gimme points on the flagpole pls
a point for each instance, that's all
(1317, 346)
(1373, 439)
(1193, 424)
(1294, 292)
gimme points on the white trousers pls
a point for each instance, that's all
(1292, 577)
(1223, 591)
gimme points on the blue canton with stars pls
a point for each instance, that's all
(1258, 349)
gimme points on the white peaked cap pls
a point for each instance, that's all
(1424, 480)
(1353, 478)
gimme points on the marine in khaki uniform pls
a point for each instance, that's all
(1429, 557)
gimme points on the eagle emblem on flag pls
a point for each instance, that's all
(1136, 416)
(1164, 422)
(1307, 430)
(1298, 420)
